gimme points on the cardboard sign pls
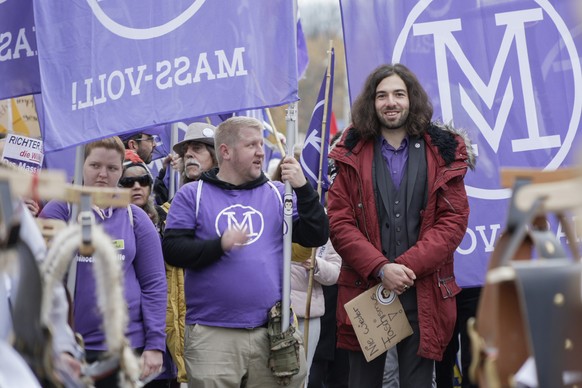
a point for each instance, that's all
(24, 152)
(378, 320)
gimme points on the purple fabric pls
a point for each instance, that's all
(311, 156)
(508, 72)
(19, 73)
(302, 54)
(113, 67)
(144, 279)
(238, 290)
(395, 160)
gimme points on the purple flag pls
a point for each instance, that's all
(18, 56)
(109, 67)
(506, 71)
(302, 55)
(311, 159)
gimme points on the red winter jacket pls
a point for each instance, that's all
(355, 233)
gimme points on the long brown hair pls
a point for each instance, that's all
(364, 117)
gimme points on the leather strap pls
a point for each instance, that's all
(550, 293)
(502, 335)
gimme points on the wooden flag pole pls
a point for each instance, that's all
(275, 133)
(319, 189)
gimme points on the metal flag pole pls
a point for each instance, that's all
(324, 142)
(173, 140)
(78, 180)
(291, 120)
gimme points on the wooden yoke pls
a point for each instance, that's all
(52, 185)
(510, 175)
(87, 197)
(515, 301)
(559, 190)
(49, 185)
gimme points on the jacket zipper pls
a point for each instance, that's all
(361, 206)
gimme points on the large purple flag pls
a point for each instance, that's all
(18, 56)
(109, 67)
(506, 71)
(314, 155)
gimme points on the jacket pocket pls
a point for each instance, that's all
(350, 278)
(446, 282)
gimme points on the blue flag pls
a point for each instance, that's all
(110, 67)
(311, 160)
(18, 55)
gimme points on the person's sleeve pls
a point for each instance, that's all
(151, 274)
(439, 242)
(346, 218)
(55, 210)
(182, 249)
(311, 228)
(161, 192)
(328, 266)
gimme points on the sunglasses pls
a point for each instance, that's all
(128, 182)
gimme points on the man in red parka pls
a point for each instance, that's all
(398, 210)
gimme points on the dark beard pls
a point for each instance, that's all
(392, 125)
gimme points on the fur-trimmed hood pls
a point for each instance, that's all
(442, 136)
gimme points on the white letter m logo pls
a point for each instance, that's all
(243, 218)
(515, 31)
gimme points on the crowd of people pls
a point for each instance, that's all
(203, 269)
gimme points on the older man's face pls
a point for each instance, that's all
(197, 159)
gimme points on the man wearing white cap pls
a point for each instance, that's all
(196, 155)
(196, 151)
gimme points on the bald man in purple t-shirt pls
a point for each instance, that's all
(227, 231)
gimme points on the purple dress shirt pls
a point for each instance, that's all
(395, 159)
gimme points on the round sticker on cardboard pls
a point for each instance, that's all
(383, 296)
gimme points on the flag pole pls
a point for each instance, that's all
(276, 133)
(291, 119)
(173, 140)
(319, 178)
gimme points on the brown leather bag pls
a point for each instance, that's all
(529, 307)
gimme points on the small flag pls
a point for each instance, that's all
(332, 127)
(311, 160)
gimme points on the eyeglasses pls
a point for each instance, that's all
(128, 182)
(153, 139)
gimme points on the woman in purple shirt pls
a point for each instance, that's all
(139, 251)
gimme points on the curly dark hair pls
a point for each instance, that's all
(364, 117)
